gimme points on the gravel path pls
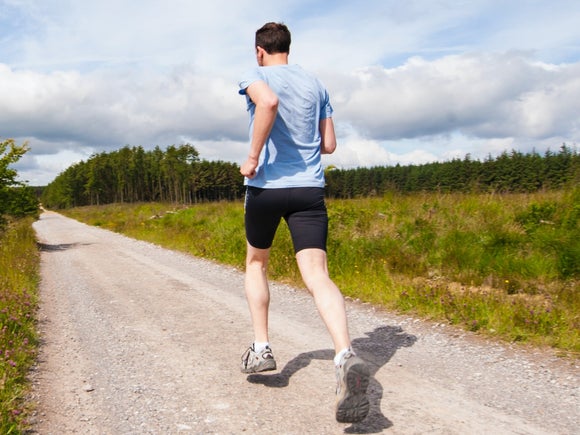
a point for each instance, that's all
(142, 340)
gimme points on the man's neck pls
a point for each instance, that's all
(275, 59)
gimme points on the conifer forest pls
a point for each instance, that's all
(178, 175)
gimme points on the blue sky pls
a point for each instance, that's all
(411, 81)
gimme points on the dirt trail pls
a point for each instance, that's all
(142, 340)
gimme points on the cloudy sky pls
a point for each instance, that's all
(411, 81)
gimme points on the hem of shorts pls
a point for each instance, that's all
(285, 186)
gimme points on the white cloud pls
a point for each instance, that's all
(110, 109)
(483, 95)
(39, 169)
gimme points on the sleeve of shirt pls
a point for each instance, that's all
(326, 109)
(248, 78)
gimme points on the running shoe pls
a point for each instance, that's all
(352, 375)
(255, 362)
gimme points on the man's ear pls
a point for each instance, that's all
(260, 52)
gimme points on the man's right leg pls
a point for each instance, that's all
(352, 373)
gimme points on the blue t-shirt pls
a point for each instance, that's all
(291, 155)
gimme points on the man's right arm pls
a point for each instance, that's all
(327, 135)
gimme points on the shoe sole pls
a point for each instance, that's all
(354, 406)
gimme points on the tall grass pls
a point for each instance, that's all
(18, 283)
(504, 265)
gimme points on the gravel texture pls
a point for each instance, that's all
(137, 339)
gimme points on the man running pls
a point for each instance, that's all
(290, 127)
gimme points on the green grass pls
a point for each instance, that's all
(503, 265)
(19, 263)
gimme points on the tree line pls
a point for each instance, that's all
(133, 174)
(508, 173)
(178, 175)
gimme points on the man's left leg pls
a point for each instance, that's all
(258, 357)
(257, 290)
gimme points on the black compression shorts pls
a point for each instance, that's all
(302, 208)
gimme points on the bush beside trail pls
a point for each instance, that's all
(19, 269)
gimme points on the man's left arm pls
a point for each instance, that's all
(266, 102)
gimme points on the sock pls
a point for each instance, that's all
(340, 354)
(260, 346)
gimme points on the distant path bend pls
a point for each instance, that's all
(142, 340)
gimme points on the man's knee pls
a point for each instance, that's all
(256, 257)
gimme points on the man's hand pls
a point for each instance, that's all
(248, 168)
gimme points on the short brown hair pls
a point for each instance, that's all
(274, 38)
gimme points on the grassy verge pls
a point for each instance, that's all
(502, 265)
(18, 284)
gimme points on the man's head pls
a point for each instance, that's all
(273, 38)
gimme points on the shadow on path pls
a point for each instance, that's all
(377, 348)
(45, 247)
